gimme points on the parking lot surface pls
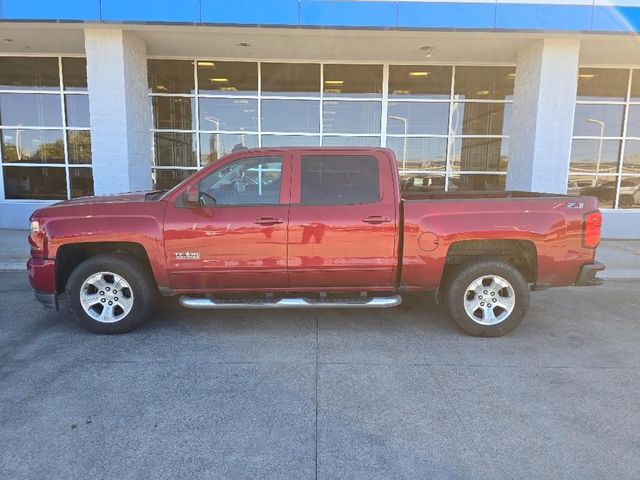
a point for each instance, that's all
(305, 394)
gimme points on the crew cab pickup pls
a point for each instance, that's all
(310, 228)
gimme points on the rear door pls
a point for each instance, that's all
(342, 221)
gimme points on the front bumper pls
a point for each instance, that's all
(587, 276)
(42, 276)
(48, 300)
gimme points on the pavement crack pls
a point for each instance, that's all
(444, 389)
(316, 391)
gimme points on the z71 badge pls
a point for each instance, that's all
(187, 255)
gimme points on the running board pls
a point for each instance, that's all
(365, 302)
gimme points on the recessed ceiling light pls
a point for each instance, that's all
(219, 80)
(243, 44)
(427, 50)
(334, 82)
(228, 89)
(401, 92)
(482, 92)
(418, 74)
(587, 76)
(206, 64)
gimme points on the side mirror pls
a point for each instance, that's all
(192, 196)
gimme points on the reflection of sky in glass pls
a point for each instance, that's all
(422, 153)
(291, 116)
(610, 115)
(633, 120)
(584, 155)
(228, 114)
(77, 110)
(290, 141)
(350, 141)
(420, 118)
(351, 117)
(631, 163)
(30, 110)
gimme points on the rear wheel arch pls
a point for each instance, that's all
(521, 254)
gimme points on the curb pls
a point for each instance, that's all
(620, 274)
(13, 266)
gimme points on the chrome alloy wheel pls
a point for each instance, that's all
(489, 300)
(106, 297)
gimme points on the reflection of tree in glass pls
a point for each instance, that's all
(79, 147)
(52, 152)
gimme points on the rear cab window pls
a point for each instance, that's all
(339, 179)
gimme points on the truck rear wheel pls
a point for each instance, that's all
(110, 293)
(486, 298)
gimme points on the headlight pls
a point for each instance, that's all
(35, 226)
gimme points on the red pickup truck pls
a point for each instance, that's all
(310, 228)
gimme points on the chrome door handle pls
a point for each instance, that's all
(376, 219)
(267, 221)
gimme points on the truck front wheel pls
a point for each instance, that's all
(486, 298)
(110, 293)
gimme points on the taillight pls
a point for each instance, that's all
(591, 229)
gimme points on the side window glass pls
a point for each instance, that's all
(250, 181)
(339, 179)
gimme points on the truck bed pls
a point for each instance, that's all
(548, 225)
(475, 194)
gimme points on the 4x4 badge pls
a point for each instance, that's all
(187, 255)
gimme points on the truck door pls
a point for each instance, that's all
(237, 238)
(342, 221)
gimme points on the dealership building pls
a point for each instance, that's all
(106, 96)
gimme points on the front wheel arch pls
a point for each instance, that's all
(143, 292)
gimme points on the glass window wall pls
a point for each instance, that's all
(437, 119)
(45, 141)
(605, 152)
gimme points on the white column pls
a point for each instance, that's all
(120, 117)
(542, 116)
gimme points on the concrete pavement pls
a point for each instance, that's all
(396, 393)
(621, 257)
(14, 250)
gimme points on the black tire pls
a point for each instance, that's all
(144, 292)
(455, 291)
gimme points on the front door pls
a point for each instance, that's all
(237, 238)
(342, 226)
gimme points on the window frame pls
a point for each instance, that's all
(627, 103)
(62, 92)
(320, 98)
